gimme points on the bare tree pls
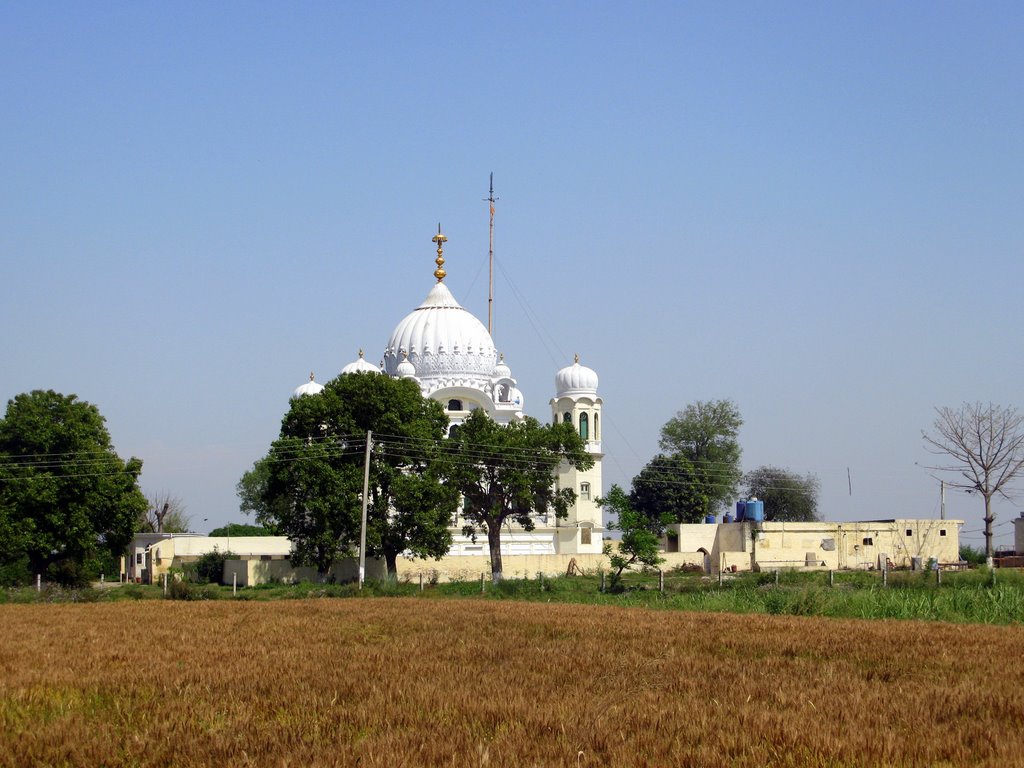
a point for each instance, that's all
(164, 513)
(985, 448)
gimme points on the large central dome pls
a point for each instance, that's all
(443, 341)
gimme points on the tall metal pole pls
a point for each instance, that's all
(942, 496)
(366, 494)
(490, 283)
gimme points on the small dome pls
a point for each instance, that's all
(576, 379)
(405, 370)
(502, 371)
(309, 388)
(359, 365)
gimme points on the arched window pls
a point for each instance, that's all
(454, 405)
(597, 429)
(584, 426)
(567, 417)
(453, 432)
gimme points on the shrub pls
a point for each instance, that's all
(973, 555)
(209, 568)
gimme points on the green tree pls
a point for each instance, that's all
(672, 488)
(706, 434)
(507, 474)
(641, 534)
(67, 501)
(984, 450)
(787, 496)
(309, 486)
(241, 529)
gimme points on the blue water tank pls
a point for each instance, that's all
(754, 511)
(727, 518)
(741, 508)
(710, 519)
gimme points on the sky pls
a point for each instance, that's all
(812, 209)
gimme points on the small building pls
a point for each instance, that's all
(860, 545)
(150, 555)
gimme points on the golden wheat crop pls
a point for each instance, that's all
(410, 682)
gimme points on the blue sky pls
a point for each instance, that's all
(813, 209)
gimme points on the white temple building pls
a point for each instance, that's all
(450, 354)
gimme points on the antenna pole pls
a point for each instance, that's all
(490, 281)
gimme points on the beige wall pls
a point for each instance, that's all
(254, 572)
(856, 545)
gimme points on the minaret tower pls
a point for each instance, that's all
(576, 402)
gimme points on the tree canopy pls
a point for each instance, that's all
(241, 529)
(309, 486)
(787, 496)
(672, 488)
(698, 470)
(983, 448)
(507, 473)
(66, 497)
(641, 534)
(164, 513)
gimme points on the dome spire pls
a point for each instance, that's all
(440, 239)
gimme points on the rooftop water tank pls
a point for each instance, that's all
(754, 511)
(741, 508)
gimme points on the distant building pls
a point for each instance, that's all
(450, 354)
(766, 546)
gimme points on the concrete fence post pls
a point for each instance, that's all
(481, 583)
(938, 577)
(831, 577)
(661, 581)
(39, 582)
(719, 577)
(165, 583)
(234, 583)
(421, 581)
(602, 582)
(776, 577)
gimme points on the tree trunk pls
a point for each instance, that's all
(989, 551)
(494, 544)
(391, 558)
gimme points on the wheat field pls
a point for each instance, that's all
(412, 682)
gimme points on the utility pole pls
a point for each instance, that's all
(490, 283)
(366, 493)
(942, 497)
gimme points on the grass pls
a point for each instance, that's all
(963, 597)
(404, 681)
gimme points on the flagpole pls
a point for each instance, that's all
(490, 282)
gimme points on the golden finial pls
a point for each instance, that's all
(360, 353)
(310, 375)
(440, 239)
(577, 360)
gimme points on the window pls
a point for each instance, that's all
(597, 432)
(868, 541)
(584, 535)
(567, 417)
(584, 490)
(910, 532)
(942, 532)
(138, 558)
(453, 432)
(454, 405)
(584, 426)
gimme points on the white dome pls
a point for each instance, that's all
(443, 341)
(406, 370)
(576, 379)
(309, 388)
(359, 365)
(502, 371)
